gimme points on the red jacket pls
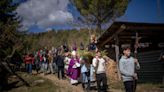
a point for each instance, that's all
(29, 60)
(40, 56)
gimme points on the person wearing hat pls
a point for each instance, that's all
(74, 68)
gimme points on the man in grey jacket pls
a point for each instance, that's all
(127, 66)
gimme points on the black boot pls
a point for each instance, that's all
(83, 85)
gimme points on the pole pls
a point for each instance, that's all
(136, 45)
(117, 55)
(137, 38)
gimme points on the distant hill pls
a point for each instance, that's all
(34, 41)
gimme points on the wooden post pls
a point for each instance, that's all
(163, 80)
(117, 55)
(137, 38)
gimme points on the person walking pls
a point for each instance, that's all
(50, 61)
(29, 60)
(85, 72)
(60, 65)
(127, 66)
(100, 64)
(74, 68)
(45, 64)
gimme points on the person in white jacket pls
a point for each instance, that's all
(99, 65)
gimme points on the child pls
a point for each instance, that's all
(85, 72)
(127, 68)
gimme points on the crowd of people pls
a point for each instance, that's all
(79, 69)
(68, 64)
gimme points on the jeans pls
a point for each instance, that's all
(55, 67)
(85, 79)
(101, 78)
(51, 67)
(92, 76)
(44, 66)
(41, 66)
(29, 68)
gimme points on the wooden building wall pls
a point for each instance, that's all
(152, 69)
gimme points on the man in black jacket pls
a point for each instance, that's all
(60, 64)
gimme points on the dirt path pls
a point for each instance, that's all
(65, 86)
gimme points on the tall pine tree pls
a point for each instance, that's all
(97, 12)
(9, 36)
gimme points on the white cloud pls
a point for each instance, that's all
(44, 13)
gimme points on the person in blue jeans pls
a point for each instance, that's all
(45, 64)
(85, 72)
(29, 61)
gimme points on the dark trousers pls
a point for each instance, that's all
(130, 86)
(101, 78)
(61, 71)
(37, 67)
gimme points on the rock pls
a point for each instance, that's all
(39, 81)
(36, 82)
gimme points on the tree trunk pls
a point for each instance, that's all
(8, 67)
(3, 77)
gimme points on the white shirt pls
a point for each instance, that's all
(67, 61)
(101, 65)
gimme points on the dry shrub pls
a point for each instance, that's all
(111, 69)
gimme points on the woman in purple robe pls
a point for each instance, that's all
(74, 68)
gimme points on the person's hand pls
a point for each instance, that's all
(162, 56)
(97, 58)
(136, 61)
(135, 76)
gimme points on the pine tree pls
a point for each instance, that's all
(98, 12)
(9, 23)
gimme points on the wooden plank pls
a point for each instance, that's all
(122, 27)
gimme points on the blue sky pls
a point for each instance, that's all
(144, 11)
(137, 11)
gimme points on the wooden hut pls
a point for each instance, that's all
(145, 39)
